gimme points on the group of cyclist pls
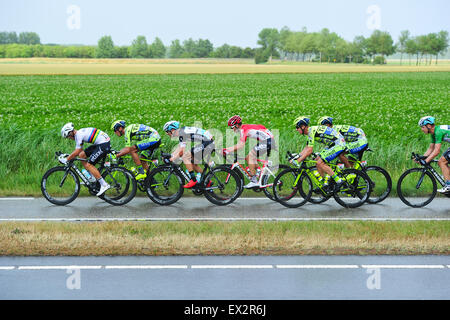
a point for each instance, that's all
(141, 140)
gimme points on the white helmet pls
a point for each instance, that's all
(68, 127)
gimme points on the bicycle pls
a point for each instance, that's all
(265, 175)
(294, 187)
(60, 185)
(152, 164)
(219, 185)
(417, 187)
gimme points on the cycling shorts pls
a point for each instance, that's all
(356, 146)
(332, 153)
(97, 152)
(263, 147)
(446, 155)
(202, 151)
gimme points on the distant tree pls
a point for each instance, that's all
(443, 43)
(176, 49)
(105, 48)
(203, 48)
(412, 48)
(248, 53)
(157, 49)
(139, 48)
(224, 51)
(380, 43)
(261, 55)
(189, 46)
(29, 38)
(401, 45)
(269, 39)
(122, 52)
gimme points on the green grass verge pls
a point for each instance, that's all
(225, 238)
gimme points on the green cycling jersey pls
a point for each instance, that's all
(139, 132)
(441, 133)
(326, 135)
(350, 133)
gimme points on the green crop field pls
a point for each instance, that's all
(386, 105)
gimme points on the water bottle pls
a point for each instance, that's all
(88, 175)
(317, 175)
(199, 176)
(258, 172)
(341, 166)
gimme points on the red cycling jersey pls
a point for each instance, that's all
(255, 131)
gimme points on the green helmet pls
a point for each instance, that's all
(325, 120)
(301, 121)
(117, 124)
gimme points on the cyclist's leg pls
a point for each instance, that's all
(444, 165)
(147, 146)
(325, 157)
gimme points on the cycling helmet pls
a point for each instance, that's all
(171, 125)
(301, 121)
(426, 120)
(325, 120)
(117, 124)
(234, 120)
(68, 128)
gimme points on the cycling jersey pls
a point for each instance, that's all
(255, 131)
(140, 132)
(90, 135)
(350, 133)
(326, 135)
(441, 133)
(192, 134)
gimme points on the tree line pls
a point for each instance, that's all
(326, 46)
(284, 44)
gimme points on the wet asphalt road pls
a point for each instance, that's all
(221, 277)
(90, 208)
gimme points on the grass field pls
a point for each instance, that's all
(386, 105)
(222, 238)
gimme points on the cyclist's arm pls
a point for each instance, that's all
(177, 153)
(434, 153)
(429, 150)
(239, 146)
(306, 152)
(74, 154)
(125, 151)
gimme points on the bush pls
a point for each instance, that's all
(261, 56)
(379, 60)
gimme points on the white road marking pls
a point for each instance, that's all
(15, 199)
(148, 267)
(231, 266)
(321, 266)
(57, 267)
(7, 268)
(403, 266)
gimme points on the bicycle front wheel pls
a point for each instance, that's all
(381, 184)
(354, 191)
(225, 186)
(269, 178)
(165, 186)
(416, 187)
(123, 186)
(60, 185)
(292, 188)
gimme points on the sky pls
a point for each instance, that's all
(236, 22)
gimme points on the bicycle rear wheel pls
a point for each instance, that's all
(292, 188)
(354, 191)
(123, 186)
(60, 185)
(165, 185)
(416, 187)
(381, 184)
(225, 186)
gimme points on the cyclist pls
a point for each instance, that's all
(146, 140)
(355, 139)
(333, 140)
(439, 134)
(193, 157)
(265, 143)
(99, 148)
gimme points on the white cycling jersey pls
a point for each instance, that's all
(90, 135)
